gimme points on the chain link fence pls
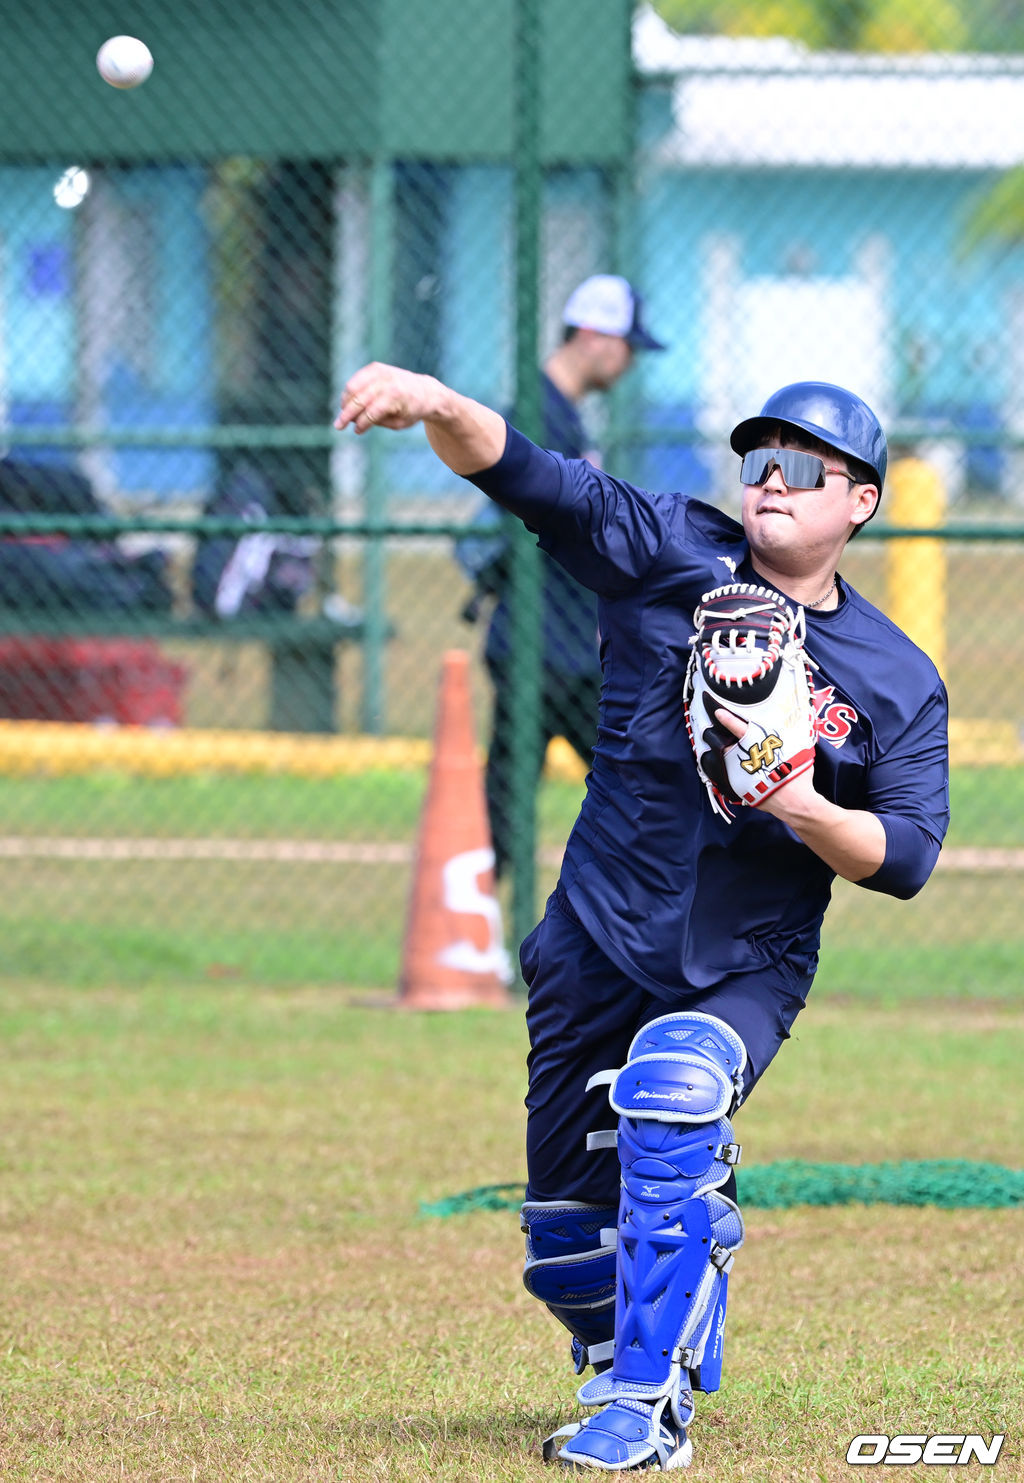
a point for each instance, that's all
(221, 624)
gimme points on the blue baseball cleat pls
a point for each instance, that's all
(626, 1435)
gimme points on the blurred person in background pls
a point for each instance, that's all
(603, 328)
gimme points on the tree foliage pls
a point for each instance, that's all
(858, 25)
(997, 219)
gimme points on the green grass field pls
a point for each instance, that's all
(214, 1265)
(986, 803)
(219, 1129)
(97, 921)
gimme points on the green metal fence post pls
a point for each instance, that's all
(525, 572)
(382, 247)
(622, 177)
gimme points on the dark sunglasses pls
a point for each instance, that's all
(799, 470)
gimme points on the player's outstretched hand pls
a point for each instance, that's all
(379, 395)
(464, 434)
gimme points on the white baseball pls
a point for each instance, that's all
(124, 61)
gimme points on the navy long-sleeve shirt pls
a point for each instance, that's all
(676, 896)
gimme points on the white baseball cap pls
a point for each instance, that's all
(608, 303)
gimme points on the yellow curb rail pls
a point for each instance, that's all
(52, 748)
(57, 749)
(985, 743)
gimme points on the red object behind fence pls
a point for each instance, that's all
(124, 682)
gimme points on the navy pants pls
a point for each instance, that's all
(582, 1015)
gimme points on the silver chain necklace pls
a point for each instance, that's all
(824, 598)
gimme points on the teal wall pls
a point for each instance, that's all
(950, 303)
(301, 79)
(172, 384)
(37, 266)
(948, 311)
(448, 85)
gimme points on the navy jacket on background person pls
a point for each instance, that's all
(570, 657)
(569, 644)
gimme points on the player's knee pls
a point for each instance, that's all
(681, 1068)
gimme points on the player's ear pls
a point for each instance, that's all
(865, 502)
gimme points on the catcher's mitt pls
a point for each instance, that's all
(748, 657)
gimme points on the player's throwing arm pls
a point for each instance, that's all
(464, 434)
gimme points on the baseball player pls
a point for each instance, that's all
(681, 940)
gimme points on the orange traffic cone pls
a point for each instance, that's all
(454, 955)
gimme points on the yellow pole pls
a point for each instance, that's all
(915, 567)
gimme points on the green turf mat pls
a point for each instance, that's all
(950, 1184)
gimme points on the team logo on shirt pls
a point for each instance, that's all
(833, 720)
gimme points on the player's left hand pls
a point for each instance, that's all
(796, 791)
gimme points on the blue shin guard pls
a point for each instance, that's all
(570, 1266)
(675, 1242)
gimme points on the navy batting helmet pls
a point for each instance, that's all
(827, 412)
